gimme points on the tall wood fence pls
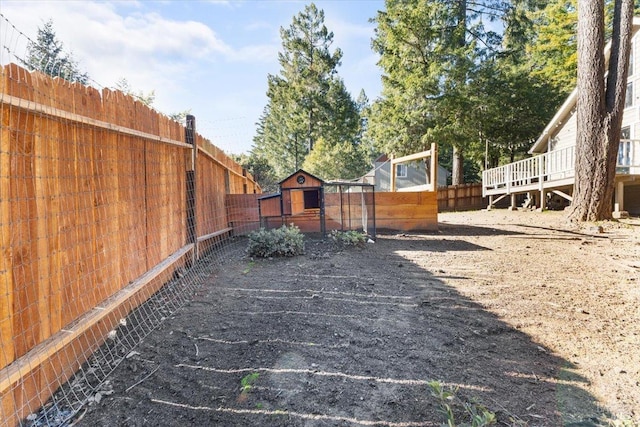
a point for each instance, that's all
(463, 197)
(101, 200)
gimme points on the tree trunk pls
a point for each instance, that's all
(457, 161)
(599, 108)
(457, 173)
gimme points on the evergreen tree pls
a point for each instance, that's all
(553, 52)
(47, 55)
(260, 170)
(600, 106)
(146, 98)
(306, 100)
(344, 161)
(434, 54)
(508, 108)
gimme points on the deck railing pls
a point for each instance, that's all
(554, 166)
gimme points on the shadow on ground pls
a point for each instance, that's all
(339, 338)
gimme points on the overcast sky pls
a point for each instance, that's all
(212, 57)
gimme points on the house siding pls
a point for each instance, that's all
(630, 117)
(566, 136)
(565, 132)
(416, 175)
(558, 141)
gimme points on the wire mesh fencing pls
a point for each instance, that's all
(111, 217)
(350, 207)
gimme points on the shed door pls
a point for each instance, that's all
(312, 199)
(297, 202)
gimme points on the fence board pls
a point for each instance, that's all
(407, 211)
(211, 193)
(404, 211)
(23, 226)
(7, 355)
(461, 197)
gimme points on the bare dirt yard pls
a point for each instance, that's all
(534, 319)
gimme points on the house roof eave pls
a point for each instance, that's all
(563, 112)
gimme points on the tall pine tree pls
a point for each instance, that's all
(307, 99)
(434, 54)
(600, 105)
(47, 55)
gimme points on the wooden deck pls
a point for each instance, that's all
(550, 171)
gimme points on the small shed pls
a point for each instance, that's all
(298, 201)
(304, 200)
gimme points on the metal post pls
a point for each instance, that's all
(323, 228)
(192, 233)
(341, 209)
(373, 196)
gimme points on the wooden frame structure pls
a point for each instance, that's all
(432, 154)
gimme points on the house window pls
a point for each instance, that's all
(625, 132)
(631, 61)
(628, 102)
(401, 171)
(624, 150)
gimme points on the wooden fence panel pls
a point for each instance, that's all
(211, 193)
(92, 198)
(166, 200)
(7, 355)
(402, 211)
(23, 223)
(407, 211)
(243, 212)
(131, 208)
(461, 197)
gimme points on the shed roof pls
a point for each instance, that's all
(298, 172)
(311, 181)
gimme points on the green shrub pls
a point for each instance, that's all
(348, 238)
(246, 383)
(283, 241)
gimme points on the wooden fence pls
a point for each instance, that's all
(399, 211)
(461, 198)
(101, 199)
(407, 211)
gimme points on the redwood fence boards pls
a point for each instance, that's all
(400, 211)
(407, 211)
(243, 212)
(93, 221)
(461, 197)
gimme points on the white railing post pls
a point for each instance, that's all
(542, 159)
(508, 177)
(484, 183)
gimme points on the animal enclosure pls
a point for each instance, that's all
(316, 206)
(338, 206)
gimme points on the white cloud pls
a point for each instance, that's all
(112, 45)
(212, 57)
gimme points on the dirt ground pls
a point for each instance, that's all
(518, 311)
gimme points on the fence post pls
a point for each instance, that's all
(434, 167)
(392, 174)
(192, 232)
(541, 170)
